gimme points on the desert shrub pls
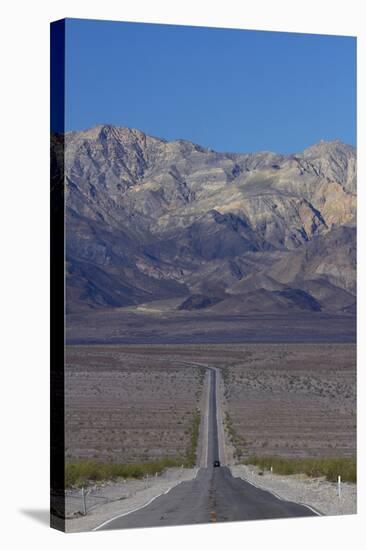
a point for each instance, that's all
(237, 440)
(193, 431)
(82, 472)
(331, 468)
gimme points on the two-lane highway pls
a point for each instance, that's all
(213, 496)
(213, 452)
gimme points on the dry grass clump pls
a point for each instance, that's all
(193, 432)
(81, 472)
(331, 468)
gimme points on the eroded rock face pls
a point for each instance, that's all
(149, 219)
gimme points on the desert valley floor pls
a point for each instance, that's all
(131, 403)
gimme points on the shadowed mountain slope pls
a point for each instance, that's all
(150, 220)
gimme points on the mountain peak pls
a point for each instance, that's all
(110, 131)
(152, 220)
(127, 133)
(324, 147)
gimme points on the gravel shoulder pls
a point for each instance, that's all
(105, 501)
(220, 418)
(318, 493)
(203, 434)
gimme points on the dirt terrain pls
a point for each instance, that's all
(295, 400)
(136, 403)
(161, 323)
(128, 404)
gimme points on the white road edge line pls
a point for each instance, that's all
(207, 415)
(283, 499)
(207, 411)
(221, 458)
(143, 506)
(219, 421)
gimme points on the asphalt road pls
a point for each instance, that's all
(213, 496)
(213, 439)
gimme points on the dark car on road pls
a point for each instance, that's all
(216, 464)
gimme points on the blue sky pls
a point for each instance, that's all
(231, 90)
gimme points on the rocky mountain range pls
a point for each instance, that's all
(150, 221)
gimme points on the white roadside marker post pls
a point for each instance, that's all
(339, 486)
(84, 503)
(271, 470)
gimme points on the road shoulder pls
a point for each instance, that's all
(318, 494)
(120, 498)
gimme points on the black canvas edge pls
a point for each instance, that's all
(57, 242)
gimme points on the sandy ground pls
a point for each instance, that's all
(108, 500)
(318, 493)
(291, 401)
(128, 405)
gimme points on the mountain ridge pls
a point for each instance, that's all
(106, 127)
(149, 219)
